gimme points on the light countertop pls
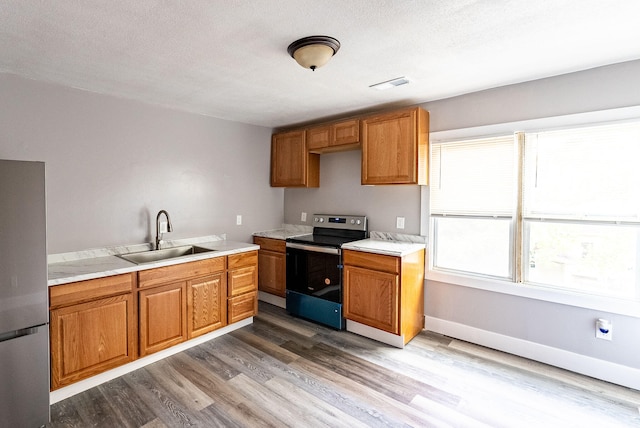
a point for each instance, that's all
(389, 248)
(99, 263)
(287, 231)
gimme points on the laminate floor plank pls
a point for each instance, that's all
(213, 364)
(282, 371)
(321, 409)
(229, 403)
(278, 352)
(180, 387)
(167, 407)
(131, 410)
(384, 410)
(64, 415)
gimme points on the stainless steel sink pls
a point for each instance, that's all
(164, 254)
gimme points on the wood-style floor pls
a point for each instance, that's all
(283, 371)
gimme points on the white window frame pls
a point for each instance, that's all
(513, 287)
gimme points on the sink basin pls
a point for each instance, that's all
(164, 254)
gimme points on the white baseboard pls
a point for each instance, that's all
(278, 301)
(375, 334)
(593, 367)
(83, 385)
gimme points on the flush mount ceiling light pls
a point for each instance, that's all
(313, 52)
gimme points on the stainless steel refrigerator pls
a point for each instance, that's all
(24, 316)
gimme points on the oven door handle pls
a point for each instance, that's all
(314, 248)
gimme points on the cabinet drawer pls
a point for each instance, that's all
(243, 306)
(372, 261)
(180, 272)
(270, 244)
(83, 291)
(242, 280)
(249, 258)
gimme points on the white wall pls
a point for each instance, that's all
(112, 164)
(555, 333)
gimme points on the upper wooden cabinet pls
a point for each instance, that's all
(333, 137)
(291, 163)
(395, 147)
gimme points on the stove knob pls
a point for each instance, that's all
(353, 221)
(316, 219)
(321, 219)
(358, 222)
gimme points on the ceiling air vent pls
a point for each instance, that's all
(398, 81)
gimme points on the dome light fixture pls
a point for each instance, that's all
(314, 51)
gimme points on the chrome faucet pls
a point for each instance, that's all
(169, 227)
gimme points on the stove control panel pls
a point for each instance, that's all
(332, 221)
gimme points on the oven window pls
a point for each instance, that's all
(315, 274)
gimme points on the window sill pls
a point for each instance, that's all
(606, 304)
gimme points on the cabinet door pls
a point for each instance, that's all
(206, 304)
(372, 297)
(272, 272)
(291, 164)
(395, 148)
(163, 317)
(92, 337)
(242, 306)
(345, 132)
(318, 137)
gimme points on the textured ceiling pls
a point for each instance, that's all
(228, 59)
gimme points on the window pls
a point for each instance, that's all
(568, 218)
(472, 205)
(581, 212)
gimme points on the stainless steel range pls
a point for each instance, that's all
(314, 268)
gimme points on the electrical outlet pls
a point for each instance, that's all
(303, 217)
(164, 227)
(399, 222)
(238, 220)
(604, 329)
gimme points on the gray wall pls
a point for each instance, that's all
(112, 164)
(340, 192)
(555, 325)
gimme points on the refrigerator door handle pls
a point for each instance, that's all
(10, 335)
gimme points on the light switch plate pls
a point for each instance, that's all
(303, 217)
(399, 222)
(238, 220)
(164, 228)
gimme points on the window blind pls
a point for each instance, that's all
(590, 173)
(473, 177)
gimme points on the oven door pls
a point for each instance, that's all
(315, 271)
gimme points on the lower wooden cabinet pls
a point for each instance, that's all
(100, 324)
(93, 328)
(243, 306)
(163, 317)
(385, 292)
(272, 268)
(206, 304)
(242, 279)
(371, 298)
